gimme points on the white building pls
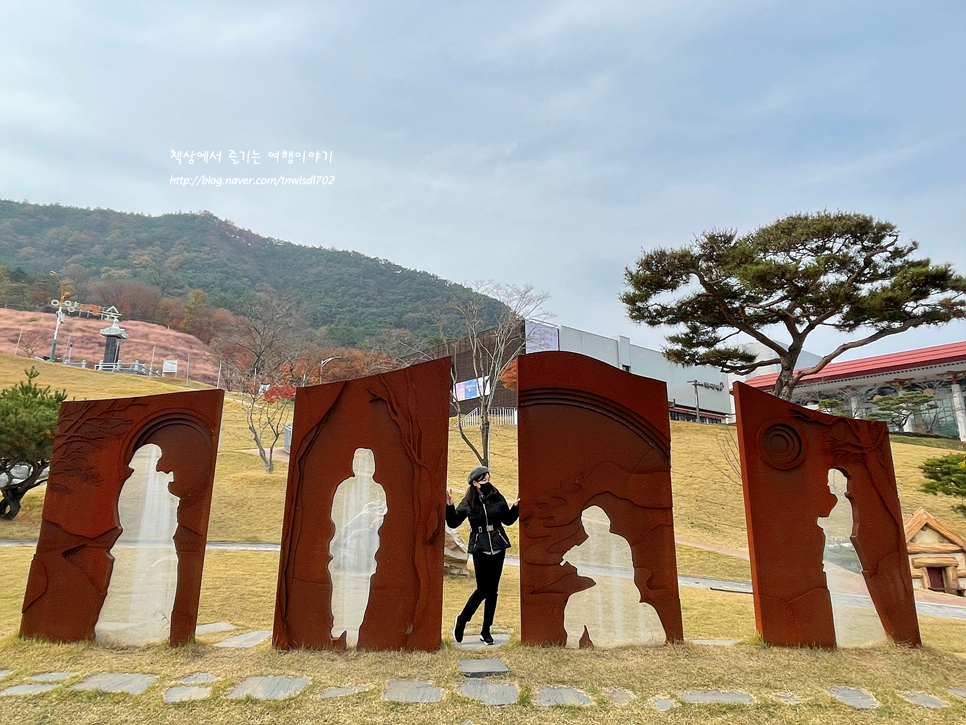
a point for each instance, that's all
(687, 387)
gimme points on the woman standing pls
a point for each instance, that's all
(488, 513)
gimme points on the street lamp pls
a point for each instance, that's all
(322, 365)
(697, 402)
(60, 317)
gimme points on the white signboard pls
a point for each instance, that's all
(541, 338)
(169, 366)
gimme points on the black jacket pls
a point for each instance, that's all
(494, 512)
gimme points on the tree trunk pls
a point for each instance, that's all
(14, 493)
(10, 505)
(784, 386)
(485, 434)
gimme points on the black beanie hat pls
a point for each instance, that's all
(477, 473)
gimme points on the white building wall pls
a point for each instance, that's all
(619, 352)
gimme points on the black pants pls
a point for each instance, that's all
(489, 569)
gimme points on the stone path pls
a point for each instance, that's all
(131, 683)
(244, 641)
(482, 668)
(472, 643)
(190, 687)
(412, 691)
(478, 685)
(559, 695)
(214, 628)
(268, 688)
(490, 693)
(854, 697)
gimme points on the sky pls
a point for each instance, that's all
(530, 143)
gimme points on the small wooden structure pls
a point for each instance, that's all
(937, 554)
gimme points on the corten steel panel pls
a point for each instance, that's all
(94, 443)
(786, 454)
(590, 434)
(403, 417)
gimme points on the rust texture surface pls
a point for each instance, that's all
(786, 454)
(590, 434)
(94, 443)
(403, 418)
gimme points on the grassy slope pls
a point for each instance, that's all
(248, 505)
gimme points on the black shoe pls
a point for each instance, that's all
(458, 629)
(485, 638)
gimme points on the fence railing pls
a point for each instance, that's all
(138, 368)
(498, 416)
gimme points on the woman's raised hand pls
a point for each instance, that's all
(516, 502)
(449, 498)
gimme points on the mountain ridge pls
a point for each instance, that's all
(352, 295)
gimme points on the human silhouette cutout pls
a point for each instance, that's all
(144, 578)
(609, 613)
(358, 509)
(853, 614)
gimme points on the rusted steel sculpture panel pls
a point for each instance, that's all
(591, 435)
(786, 454)
(402, 417)
(95, 441)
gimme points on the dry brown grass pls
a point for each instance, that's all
(239, 587)
(88, 344)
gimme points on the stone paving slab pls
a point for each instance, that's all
(412, 691)
(52, 676)
(716, 697)
(957, 691)
(244, 641)
(619, 696)
(472, 643)
(214, 627)
(787, 698)
(923, 700)
(198, 678)
(345, 690)
(26, 690)
(490, 693)
(5, 673)
(186, 694)
(483, 668)
(268, 688)
(132, 684)
(853, 697)
(664, 703)
(549, 695)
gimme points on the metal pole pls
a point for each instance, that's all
(17, 348)
(151, 368)
(53, 345)
(218, 384)
(187, 370)
(697, 402)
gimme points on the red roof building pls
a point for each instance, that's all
(938, 370)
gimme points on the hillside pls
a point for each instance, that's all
(85, 342)
(352, 295)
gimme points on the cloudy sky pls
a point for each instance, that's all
(542, 143)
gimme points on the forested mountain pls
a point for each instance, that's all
(349, 294)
